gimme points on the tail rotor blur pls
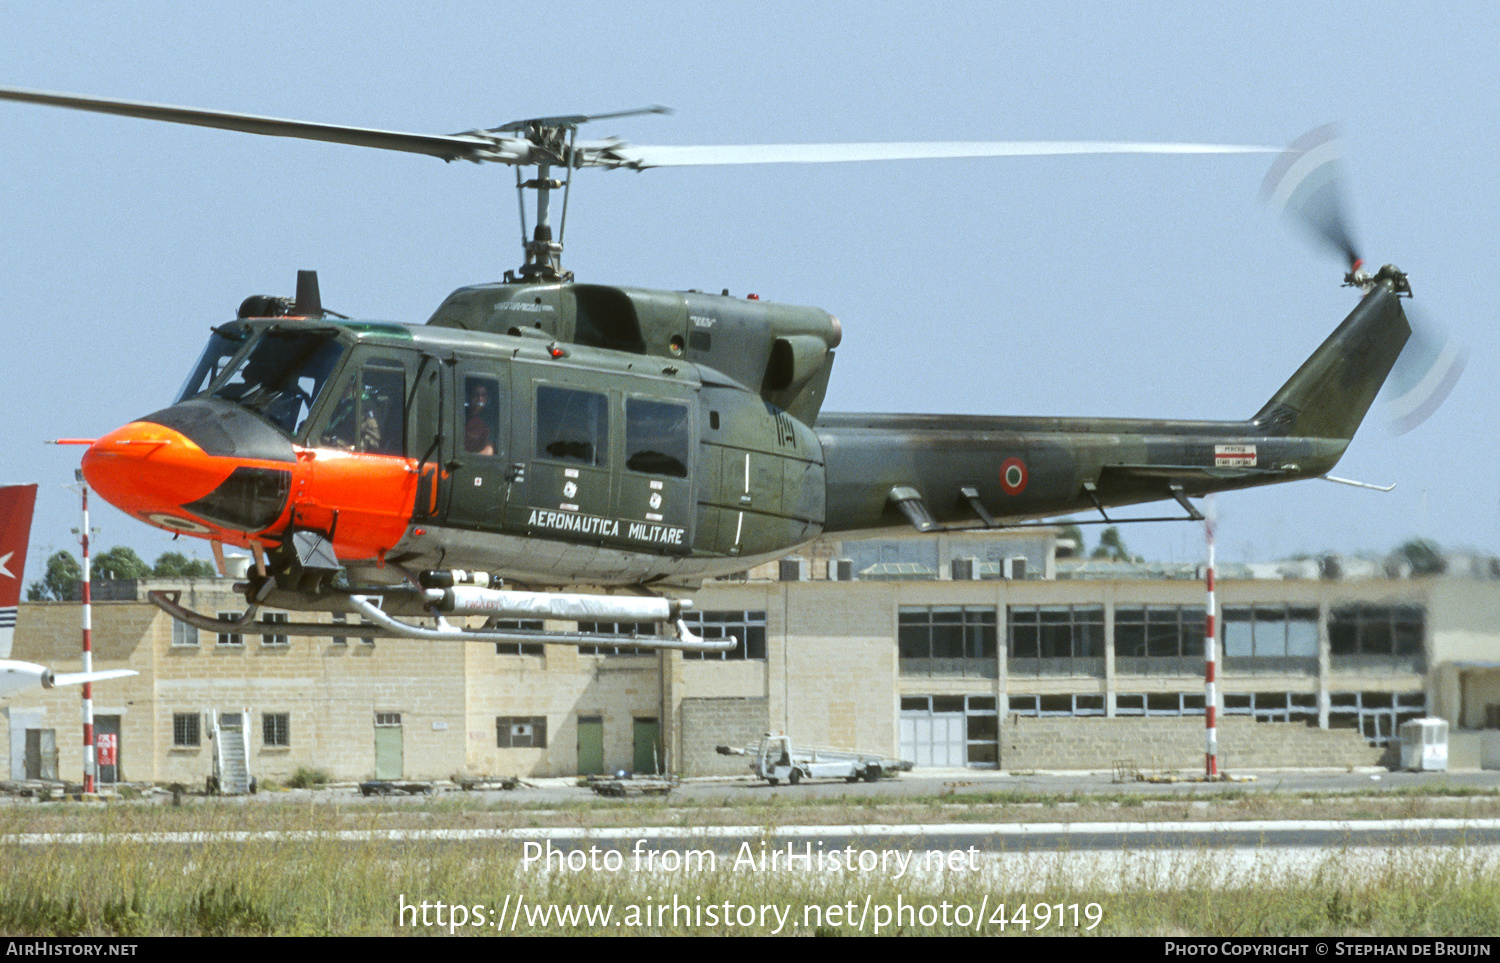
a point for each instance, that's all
(1306, 186)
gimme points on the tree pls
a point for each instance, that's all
(1423, 555)
(1111, 547)
(178, 565)
(120, 562)
(61, 581)
(1070, 532)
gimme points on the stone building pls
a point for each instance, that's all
(1096, 665)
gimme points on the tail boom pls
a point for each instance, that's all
(981, 471)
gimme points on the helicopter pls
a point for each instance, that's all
(540, 433)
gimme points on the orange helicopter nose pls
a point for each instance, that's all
(152, 471)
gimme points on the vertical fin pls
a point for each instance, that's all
(1330, 394)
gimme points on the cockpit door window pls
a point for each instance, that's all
(369, 413)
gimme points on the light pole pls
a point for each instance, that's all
(90, 767)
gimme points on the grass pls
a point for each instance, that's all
(319, 885)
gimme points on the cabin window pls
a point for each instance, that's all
(572, 426)
(656, 437)
(481, 421)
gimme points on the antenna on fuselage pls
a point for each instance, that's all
(309, 303)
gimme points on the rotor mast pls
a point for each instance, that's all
(543, 252)
(553, 143)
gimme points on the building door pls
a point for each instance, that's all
(41, 754)
(934, 730)
(390, 759)
(647, 761)
(107, 748)
(590, 745)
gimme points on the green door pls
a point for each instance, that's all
(590, 745)
(563, 486)
(41, 754)
(647, 747)
(478, 462)
(389, 751)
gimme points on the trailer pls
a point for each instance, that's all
(628, 784)
(776, 758)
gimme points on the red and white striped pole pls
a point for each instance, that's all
(89, 768)
(1210, 659)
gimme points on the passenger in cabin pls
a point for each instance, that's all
(479, 431)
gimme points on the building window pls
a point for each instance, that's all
(646, 629)
(946, 632)
(748, 627)
(388, 720)
(1056, 639)
(1157, 639)
(184, 634)
(1273, 706)
(1381, 630)
(276, 729)
(521, 732)
(1159, 704)
(230, 638)
(272, 618)
(520, 648)
(1377, 715)
(187, 730)
(339, 618)
(1270, 632)
(1064, 704)
(947, 640)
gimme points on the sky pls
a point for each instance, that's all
(1105, 286)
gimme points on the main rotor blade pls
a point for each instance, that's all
(1306, 185)
(643, 156)
(449, 147)
(573, 120)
